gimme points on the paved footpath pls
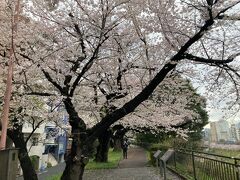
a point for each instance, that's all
(133, 168)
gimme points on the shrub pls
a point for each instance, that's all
(35, 161)
(49, 165)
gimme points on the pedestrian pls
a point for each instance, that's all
(125, 148)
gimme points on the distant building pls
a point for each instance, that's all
(213, 132)
(56, 140)
(233, 133)
(48, 143)
(238, 131)
(35, 145)
(206, 134)
(220, 132)
(223, 132)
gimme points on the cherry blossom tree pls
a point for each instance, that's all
(9, 22)
(23, 108)
(170, 108)
(76, 43)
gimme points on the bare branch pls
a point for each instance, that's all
(34, 129)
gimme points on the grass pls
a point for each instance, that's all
(187, 172)
(149, 159)
(225, 152)
(113, 159)
(55, 177)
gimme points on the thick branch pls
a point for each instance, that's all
(147, 91)
(193, 39)
(132, 104)
(210, 61)
(40, 94)
(120, 73)
(80, 34)
(75, 121)
(49, 78)
(87, 66)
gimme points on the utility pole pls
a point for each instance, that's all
(7, 96)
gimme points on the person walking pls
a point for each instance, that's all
(125, 148)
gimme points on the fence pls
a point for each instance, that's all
(200, 166)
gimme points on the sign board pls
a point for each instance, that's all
(167, 155)
(156, 154)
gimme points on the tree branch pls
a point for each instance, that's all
(87, 66)
(132, 104)
(147, 91)
(221, 15)
(209, 61)
(40, 94)
(49, 78)
(34, 129)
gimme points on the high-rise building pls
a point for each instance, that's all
(233, 133)
(213, 132)
(220, 131)
(238, 131)
(223, 132)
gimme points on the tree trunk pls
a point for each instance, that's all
(103, 147)
(73, 170)
(78, 158)
(118, 137)
(17, 137)
(117, 144)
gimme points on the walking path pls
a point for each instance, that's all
(133, 168)
(137, 157)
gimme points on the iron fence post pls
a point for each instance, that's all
(161, 167)
(164, 170)
(237, 168)
(174, 159)
(193, 164)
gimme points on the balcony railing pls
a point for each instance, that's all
(50, 141)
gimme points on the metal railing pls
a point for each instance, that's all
(200, 165)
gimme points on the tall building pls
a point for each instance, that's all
(238, 131)
(213, 132)
(223, 132)
(233, 133)
(220, 131)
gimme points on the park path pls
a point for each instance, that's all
(136, 158)
(133, 168)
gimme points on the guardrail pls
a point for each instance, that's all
(200, 165)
